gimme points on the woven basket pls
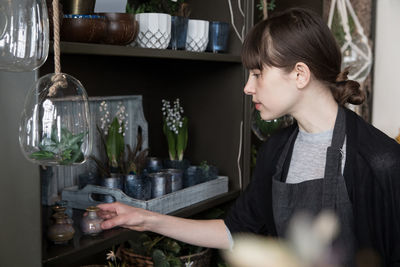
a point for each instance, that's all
(131, 259)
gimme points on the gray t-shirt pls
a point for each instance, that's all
(309, 156)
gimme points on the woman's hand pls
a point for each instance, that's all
(118, 214)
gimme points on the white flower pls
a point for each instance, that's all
(111, 256)
(189, 263)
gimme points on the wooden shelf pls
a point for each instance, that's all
(82, 246)
(128, 51)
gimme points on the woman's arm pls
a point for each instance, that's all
(205, 233)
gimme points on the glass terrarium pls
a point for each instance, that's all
(54, 127)
(24, 34)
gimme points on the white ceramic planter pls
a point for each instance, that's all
(154, 30)
(197, 35)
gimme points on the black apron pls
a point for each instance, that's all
(313, 196)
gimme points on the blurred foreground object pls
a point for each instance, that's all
(308, 244)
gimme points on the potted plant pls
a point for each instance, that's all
(175, 128)
(136, 184)
(154, 22)
(112, 138)
(158, 250)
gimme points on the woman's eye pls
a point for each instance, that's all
(256, 75)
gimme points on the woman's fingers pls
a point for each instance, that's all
(108, 206)
(114, 221)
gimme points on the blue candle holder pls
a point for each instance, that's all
(218, 37)
(179, 26)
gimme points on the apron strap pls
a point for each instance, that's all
(333, 165)
(282, 157)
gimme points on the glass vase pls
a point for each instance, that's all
(55, 122)
(91, 223)
(24, 34)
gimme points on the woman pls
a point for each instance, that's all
(329, 159)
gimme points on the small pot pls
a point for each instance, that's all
(62, 230)
(160, 184)
(177, 164)
(179, 27)
(154, 164)
(197, 35)
(91, 223)
(218, 37)
(176, 178)
(115, 181)
(137, 186)
(122, 28)
(83, 28)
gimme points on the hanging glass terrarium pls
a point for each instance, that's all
(356, 52)
(24, 34)
(54, 127)
(55, 123)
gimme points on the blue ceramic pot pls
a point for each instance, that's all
(160, 184)
(115, 181)
(176, 178)
(179, 26)
(191, 176)
(154, 164)
(137, 186)
(177, 164)
(218, 36)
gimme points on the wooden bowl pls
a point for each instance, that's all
(122, 28)
(83, 28)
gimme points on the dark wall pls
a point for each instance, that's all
(20, 235)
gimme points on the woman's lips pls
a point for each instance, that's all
(257, 106)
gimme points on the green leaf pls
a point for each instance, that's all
(172, 246)
(42, 155)
(75, 139)
(65, 134)
(115, 143)
(170, 140)
(182, 139)
(159, 259)
(174, 261)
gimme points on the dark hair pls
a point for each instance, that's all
(300, 35)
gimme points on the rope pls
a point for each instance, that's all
(265, 9)
(59, 80)
(56, 20)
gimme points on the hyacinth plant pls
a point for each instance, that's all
(112, 134)
(175, 129)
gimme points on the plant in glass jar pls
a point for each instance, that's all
(62, 147)
(175, 129)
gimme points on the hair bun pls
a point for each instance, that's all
(342, 77)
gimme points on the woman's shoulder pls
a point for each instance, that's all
(378, 149)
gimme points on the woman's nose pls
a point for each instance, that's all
(249, 88)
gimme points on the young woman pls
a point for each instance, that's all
(330, 159)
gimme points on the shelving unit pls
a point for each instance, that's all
(128, 51)
(210, 87)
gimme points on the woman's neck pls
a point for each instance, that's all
(317, 110)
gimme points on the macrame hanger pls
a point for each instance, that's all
(58, 79)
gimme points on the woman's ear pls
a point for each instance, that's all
(303, 74)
